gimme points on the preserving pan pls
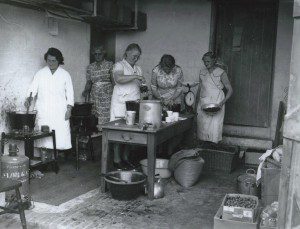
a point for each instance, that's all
(125, 185)
(82, 109)
(211, 108)
(18, 119)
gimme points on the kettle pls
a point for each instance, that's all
(158, 189)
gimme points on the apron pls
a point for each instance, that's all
(210, 127)
(124, 92)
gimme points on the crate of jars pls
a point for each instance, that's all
(240, 207)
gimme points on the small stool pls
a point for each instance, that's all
(8, 185)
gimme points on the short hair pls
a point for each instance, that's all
(98, 47)
(132, 47)
(210, 54)
(56, 53)
(167, 61)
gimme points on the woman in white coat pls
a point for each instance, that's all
(52, 86)
(128, 78)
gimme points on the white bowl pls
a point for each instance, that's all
(161, 167)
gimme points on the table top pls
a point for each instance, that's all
(121, 125)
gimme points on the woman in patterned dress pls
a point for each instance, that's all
(212, 81)
(166, 83)
(99, 85)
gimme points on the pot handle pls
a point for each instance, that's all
(251, 172)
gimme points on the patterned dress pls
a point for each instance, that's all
(167, 84)
(99, 75)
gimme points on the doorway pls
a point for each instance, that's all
(244, 39)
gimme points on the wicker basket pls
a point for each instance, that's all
(225, 160)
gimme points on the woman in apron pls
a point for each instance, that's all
(212, 81)
(128, 78)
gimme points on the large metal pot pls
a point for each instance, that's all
(18, 119)
(125, 185)
(150, 112)
(247, 183)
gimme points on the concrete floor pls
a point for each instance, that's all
(193, 207)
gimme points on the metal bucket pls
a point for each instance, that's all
(246, 183)
(17, 168)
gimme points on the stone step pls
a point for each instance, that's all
(248, 142)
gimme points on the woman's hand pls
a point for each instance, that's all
(85, 93)
(221, 104)
(68, 112)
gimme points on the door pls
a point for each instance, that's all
(245, 41)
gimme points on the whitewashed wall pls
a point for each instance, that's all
(24, 38)
(179, 28)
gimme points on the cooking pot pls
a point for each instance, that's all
(150, 112)
(82, 109)
(125, 185)
(247, 183)
(18, 119)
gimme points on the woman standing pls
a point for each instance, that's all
(166, 82)
(212, 81)
(128, 78)
(55, 98)
(99, 85)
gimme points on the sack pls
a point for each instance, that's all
(187, 166)
(188, 171)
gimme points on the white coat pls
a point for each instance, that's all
(124, 92)
(54, 92)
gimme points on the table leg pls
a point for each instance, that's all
(2, 143)
(55, 151)
(77, 151)
(21, 208)
(104, 159)
(91, 147)
(151, 156)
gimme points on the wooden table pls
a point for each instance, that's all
(118, 131)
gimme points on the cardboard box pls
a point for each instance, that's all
(240, 213)
(220, 223)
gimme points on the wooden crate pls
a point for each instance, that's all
(221, 223)
(270, 180)
(240, 213)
